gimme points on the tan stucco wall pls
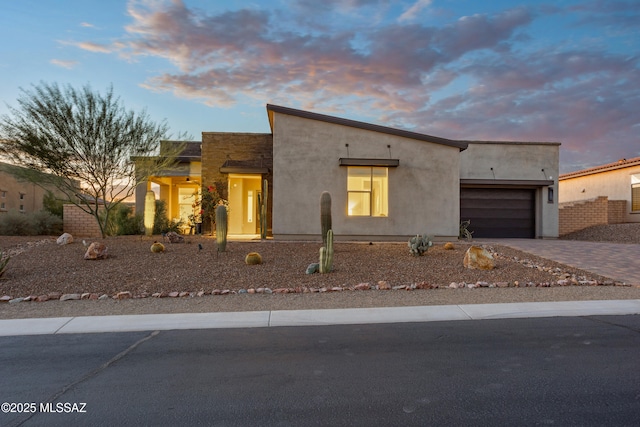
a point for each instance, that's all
(518, 161)
(615, 185)
(12, 189)
(423, 189)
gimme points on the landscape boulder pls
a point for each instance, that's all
(65, 239)
(478, 258)
(174, 237)
(96, 250)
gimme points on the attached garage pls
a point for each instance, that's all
(499, 212)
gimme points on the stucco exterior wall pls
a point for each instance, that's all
(518, 161)
(423, 189)
(20, 195)
(615, 185)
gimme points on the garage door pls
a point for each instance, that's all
(499, 212)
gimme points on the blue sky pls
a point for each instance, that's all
(565, 71)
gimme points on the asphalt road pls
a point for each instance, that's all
(544, 371)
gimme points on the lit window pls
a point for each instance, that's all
(635, 193)
(367, 191)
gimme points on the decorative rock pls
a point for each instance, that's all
(323, 289)
(55, 295)
(502, 284)
(85, 295)
(362, 287)
(313, 268)
(5, 298)
(423, 285)
(399, 287)
(260, 290)
(337, 289)
(280, 291)
(15, 300)
(482, 284)
(65, 239)
(225, 292)
(478, 258)
(384, 286)
(251, 291)
(174, 237)
(216, 292)
(93, 296)
(448, 246)
(183, 294)
(123, 295)
(173, 294)
(268, 291)
(96, 250)
(200, 293)
(103, 297)
(42, 298)
(70, 297)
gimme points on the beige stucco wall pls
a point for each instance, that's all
(20, 195)
(518, 161)
(423, 189)
(615, 184)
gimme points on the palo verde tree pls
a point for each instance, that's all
(84, 141)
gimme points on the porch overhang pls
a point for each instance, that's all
(349, 161)
(508, 182)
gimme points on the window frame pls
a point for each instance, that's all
(635, 193)
(369, 192)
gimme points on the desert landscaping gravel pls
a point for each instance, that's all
(195, 270)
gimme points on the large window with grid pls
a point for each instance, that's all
(368, 191)
(635, 193)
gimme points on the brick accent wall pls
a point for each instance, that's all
(78, 223)
(574, 216)
(617, 211)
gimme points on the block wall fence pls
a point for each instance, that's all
(78, 223)
(574, 216)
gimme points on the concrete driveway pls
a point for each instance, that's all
(618, 261)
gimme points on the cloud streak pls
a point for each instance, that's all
(474, 77)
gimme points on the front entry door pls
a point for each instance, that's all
(243, 203)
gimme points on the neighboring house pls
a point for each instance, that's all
(385, 183)
(618, 182)
(18, 195)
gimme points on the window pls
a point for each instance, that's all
(3, 194)
(22, 196)
(635, 193)
(21, 208)
(367, 191)
(2, 206)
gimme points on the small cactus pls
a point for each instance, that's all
(221, 227)
(253, 258)
(419, 244)
(157, 247)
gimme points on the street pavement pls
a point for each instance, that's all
(561, 371)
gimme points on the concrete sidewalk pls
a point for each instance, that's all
(262, 319)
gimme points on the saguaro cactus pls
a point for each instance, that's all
(326, 254)
(263, 209)
(325, 215)
(221, 227)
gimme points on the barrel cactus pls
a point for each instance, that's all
(221, 227)
(253, 258)
(325, 215)
(157, 247)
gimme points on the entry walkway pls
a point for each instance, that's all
(618, 261)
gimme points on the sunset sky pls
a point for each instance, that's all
(538, 70)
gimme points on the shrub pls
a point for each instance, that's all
(125, 223)
(14, 223)
(53, 205)
(45, 223)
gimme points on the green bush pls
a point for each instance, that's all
(45, 223)
(161, 224)
(14, 223)
(52, 204)
(124, 222)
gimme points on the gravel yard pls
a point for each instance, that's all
(41, 267)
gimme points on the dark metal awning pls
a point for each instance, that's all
(349, 161)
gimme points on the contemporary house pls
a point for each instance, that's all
(618, 182)
(385, 183)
